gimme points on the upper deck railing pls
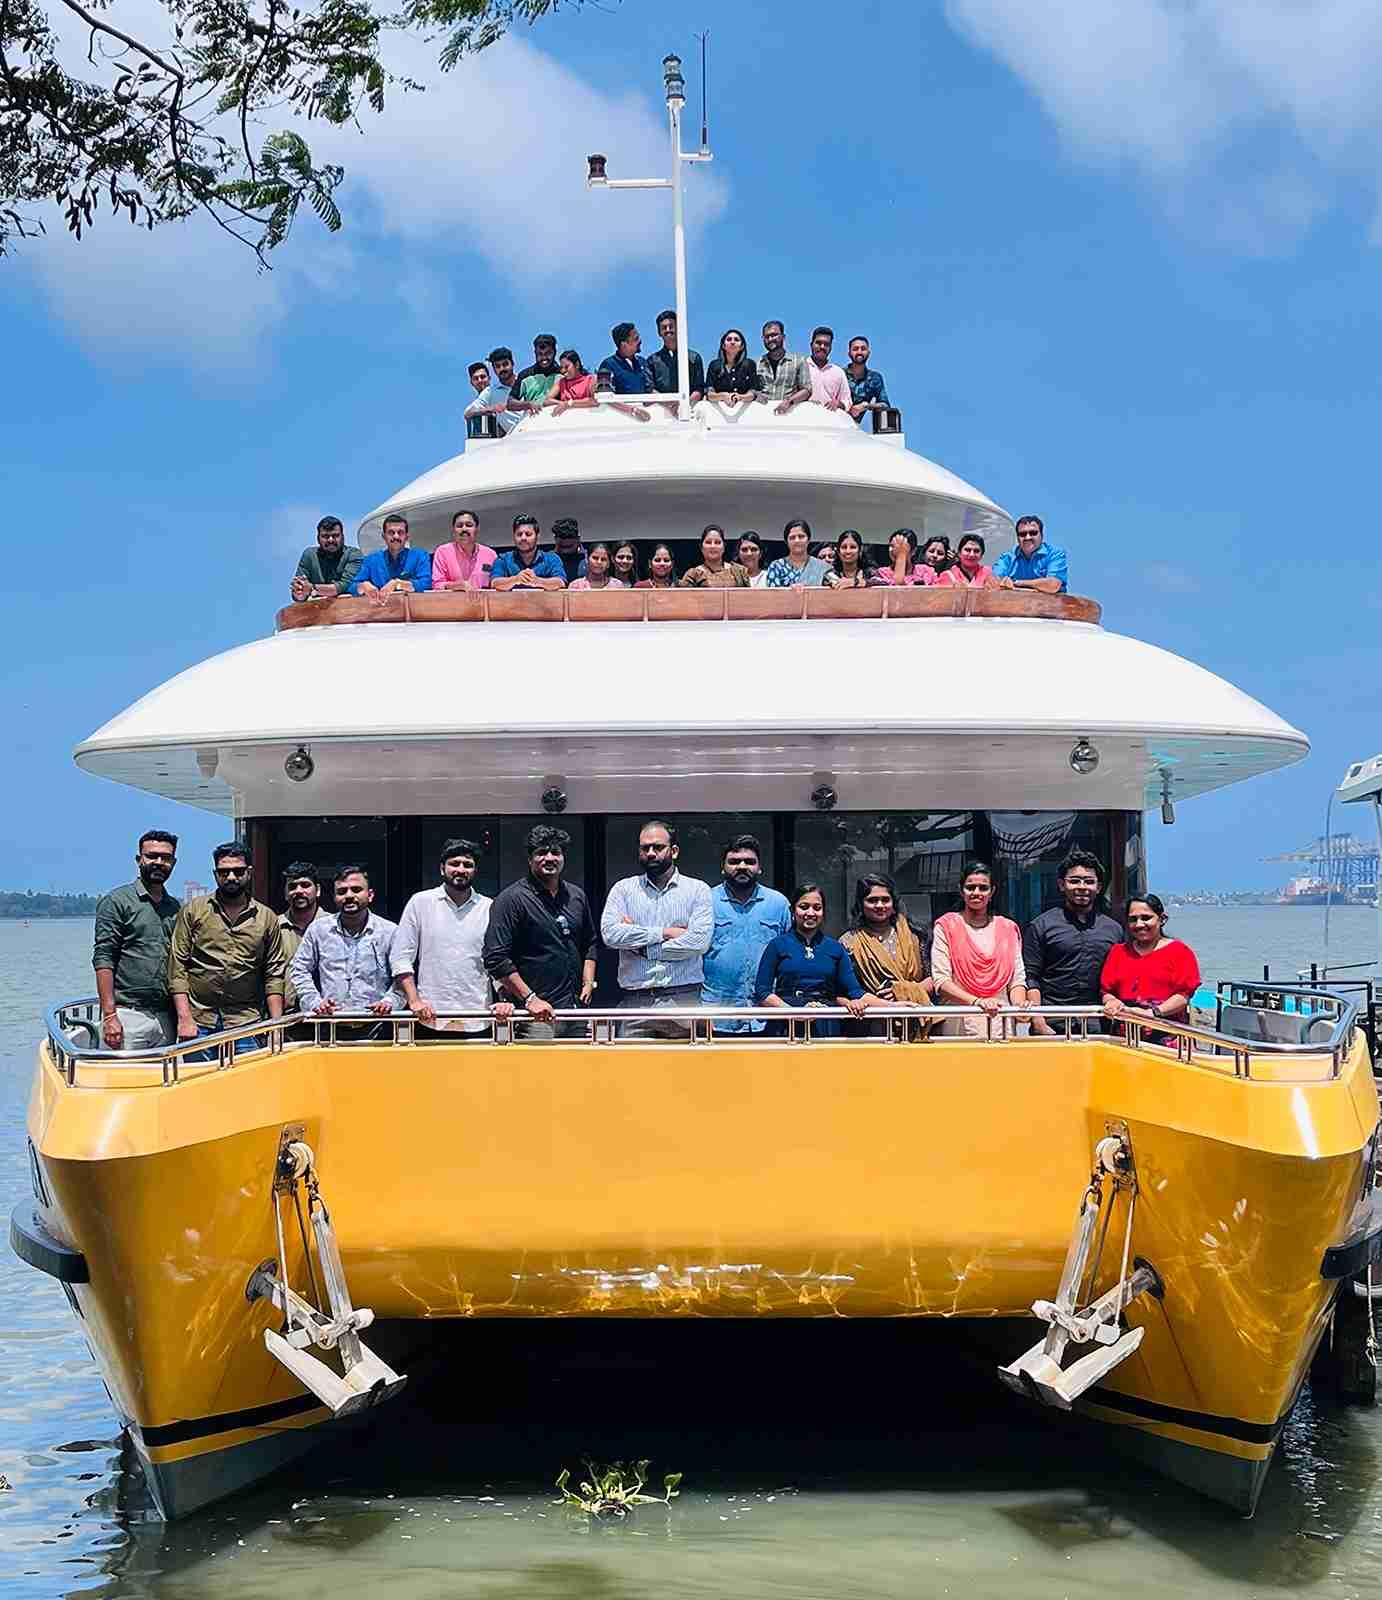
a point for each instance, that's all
(73, 1035)
(689, 605)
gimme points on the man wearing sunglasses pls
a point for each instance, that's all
(226, 965)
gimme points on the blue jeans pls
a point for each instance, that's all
(243, 1047)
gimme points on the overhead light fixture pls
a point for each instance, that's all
(554, 799)
(1084, 758)
(595, 169)
(824, 797)
(300, 766)
(207, 762)
(1168, 805)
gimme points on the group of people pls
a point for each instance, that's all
(331, 567)
(780, 377)
(167, 971)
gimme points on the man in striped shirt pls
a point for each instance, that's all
(660, 923)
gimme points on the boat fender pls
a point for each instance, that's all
(32, 1242)
(1361, 1246)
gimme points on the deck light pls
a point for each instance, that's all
(300, 766)
(554, 798)
(672, 78)
(1168, 805)
(887, 419)
(207, 762)
(604, 381)
(824, 797)
(595, 172)
(1084, 758)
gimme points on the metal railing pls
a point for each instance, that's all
(73, 1033)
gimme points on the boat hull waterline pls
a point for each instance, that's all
(753, 1180)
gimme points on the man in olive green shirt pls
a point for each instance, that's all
(226, 964)
(302, 893)
(134, 926)
(330, 568)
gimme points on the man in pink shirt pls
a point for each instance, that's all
(829, 385)
(465, 563)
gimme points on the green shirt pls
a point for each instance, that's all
(132, 938)
(226, 966)
(339, 569)
(537, 387)
(291, 940)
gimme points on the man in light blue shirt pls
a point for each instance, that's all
(747, 919)
(396, 569)
(1033, 564)
(660, 923)
(342, 964)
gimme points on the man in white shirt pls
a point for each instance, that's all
(492, 398)
(660, 923)
(436, 951)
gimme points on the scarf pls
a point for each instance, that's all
(980, 974)
(877, 967)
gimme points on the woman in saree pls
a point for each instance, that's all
(976, 957)
(888, 954)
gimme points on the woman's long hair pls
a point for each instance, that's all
(744, 352)
(876, 880)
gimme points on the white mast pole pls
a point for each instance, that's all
(679, 258)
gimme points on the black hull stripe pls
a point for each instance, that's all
(1228, 1427)
(227, 1422)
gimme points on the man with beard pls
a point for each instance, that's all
(540, 947)
(302, 895)
(747, 918)
(438, 949)
(783, 375)
(660, 923)
(342, 962)
(134, 926)
(226, 965)
(328, 568)
(1064, 949)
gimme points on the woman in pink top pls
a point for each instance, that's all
(465, 563)
(902, 565)
(976, 957)
(597, 574)
(969, 570)
(575, 387)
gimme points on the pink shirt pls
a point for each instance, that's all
(957, 580)
(828, 383)
(582, 388)
(920, 573)
(584, 583)
(450, 566)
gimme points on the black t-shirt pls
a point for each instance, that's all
(545, 939)
(741, 378)
(1064, 957)
(664, 365)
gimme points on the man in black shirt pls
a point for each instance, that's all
(664, 361)
(540, 944)
(1064, 950)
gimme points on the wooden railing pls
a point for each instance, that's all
(689, 605)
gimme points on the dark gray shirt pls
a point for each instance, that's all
(132, 936)
(1064, 955)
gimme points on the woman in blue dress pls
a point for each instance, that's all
(806, 967)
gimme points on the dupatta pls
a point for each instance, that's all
(877, 967)
(980, 974)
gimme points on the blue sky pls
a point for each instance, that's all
(1121, 272)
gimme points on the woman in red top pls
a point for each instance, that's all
(1149, 975)
(969, 570)
(575, 387)
(662, 570)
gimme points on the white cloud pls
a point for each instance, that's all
(1178, 89)
(486, 161)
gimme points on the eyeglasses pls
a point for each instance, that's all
(232, 872)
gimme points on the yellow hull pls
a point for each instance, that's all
(734, 1180)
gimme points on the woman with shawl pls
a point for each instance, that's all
(889, 958)
(976, 957)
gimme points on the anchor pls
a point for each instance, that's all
(365, 1380)
(1039, 1373)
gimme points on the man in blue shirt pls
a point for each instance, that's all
(748, 918)
(525, 566)
(629, 372)
(1034, 564)
(867, 390)
(396, 569)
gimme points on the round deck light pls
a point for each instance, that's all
(824, 797)
(1084, 758)
(300, 766)
(554, 800)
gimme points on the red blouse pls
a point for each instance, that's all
(1139, 980)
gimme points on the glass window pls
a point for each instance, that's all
(923, 852)
(700, 840)
(1028, 846)
(503, 841)
(327, 842)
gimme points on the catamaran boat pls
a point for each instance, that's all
(1161, 1237)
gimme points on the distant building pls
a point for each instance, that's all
(193, 891)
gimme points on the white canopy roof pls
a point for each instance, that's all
(460, 718)
(744, 466)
